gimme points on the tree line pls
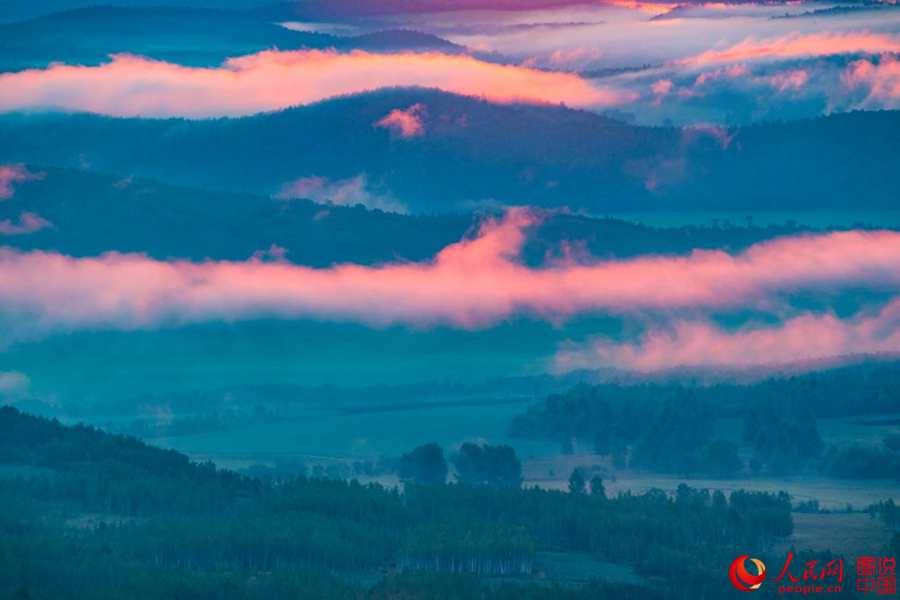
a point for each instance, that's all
(88, 514)
(674, 427)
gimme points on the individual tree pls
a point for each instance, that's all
(597, 488)
(577, 485)
(426, 465)
(719, 501)
(495, 465)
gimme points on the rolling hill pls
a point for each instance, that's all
(474, 153)
(200, 37)
(92, 213)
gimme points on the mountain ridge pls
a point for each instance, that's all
(473, 153)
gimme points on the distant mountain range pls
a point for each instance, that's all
(473, 153)
(16, 10)
(94, 213)
(188, 36)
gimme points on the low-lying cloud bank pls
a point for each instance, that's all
(701, 344)
(135, 86)
(765, 87)
(271, 80)
(471, 284)
(796, 46)
(880, 81)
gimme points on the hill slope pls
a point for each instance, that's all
(475, 153)
(91, 213)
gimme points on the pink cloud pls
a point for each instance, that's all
(573, 58)
(691, 344)
(690, 133)
(28, 223)
(881, 81)
(11, 174)
(662, 87)
(405, 123)
(271, 80)
(652, 8)
(782, 81)
(470, 284)
(798, 46)
(697, 89)
(730, 72)
(792, 80)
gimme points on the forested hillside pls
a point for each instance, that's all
(473, 152)
(677, 428)
(91, 213)
(113, 504)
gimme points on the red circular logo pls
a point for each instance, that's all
(741, 578)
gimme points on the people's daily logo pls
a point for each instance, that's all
(744, 578)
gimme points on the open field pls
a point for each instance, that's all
(326, 436)
(832, 494)
(336, 434)
(572, 567)
(850, 534)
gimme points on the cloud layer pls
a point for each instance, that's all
(798, 46)
(783, 78)
(471, 284)
(701, 344)
(271, 80)
(880, 81)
